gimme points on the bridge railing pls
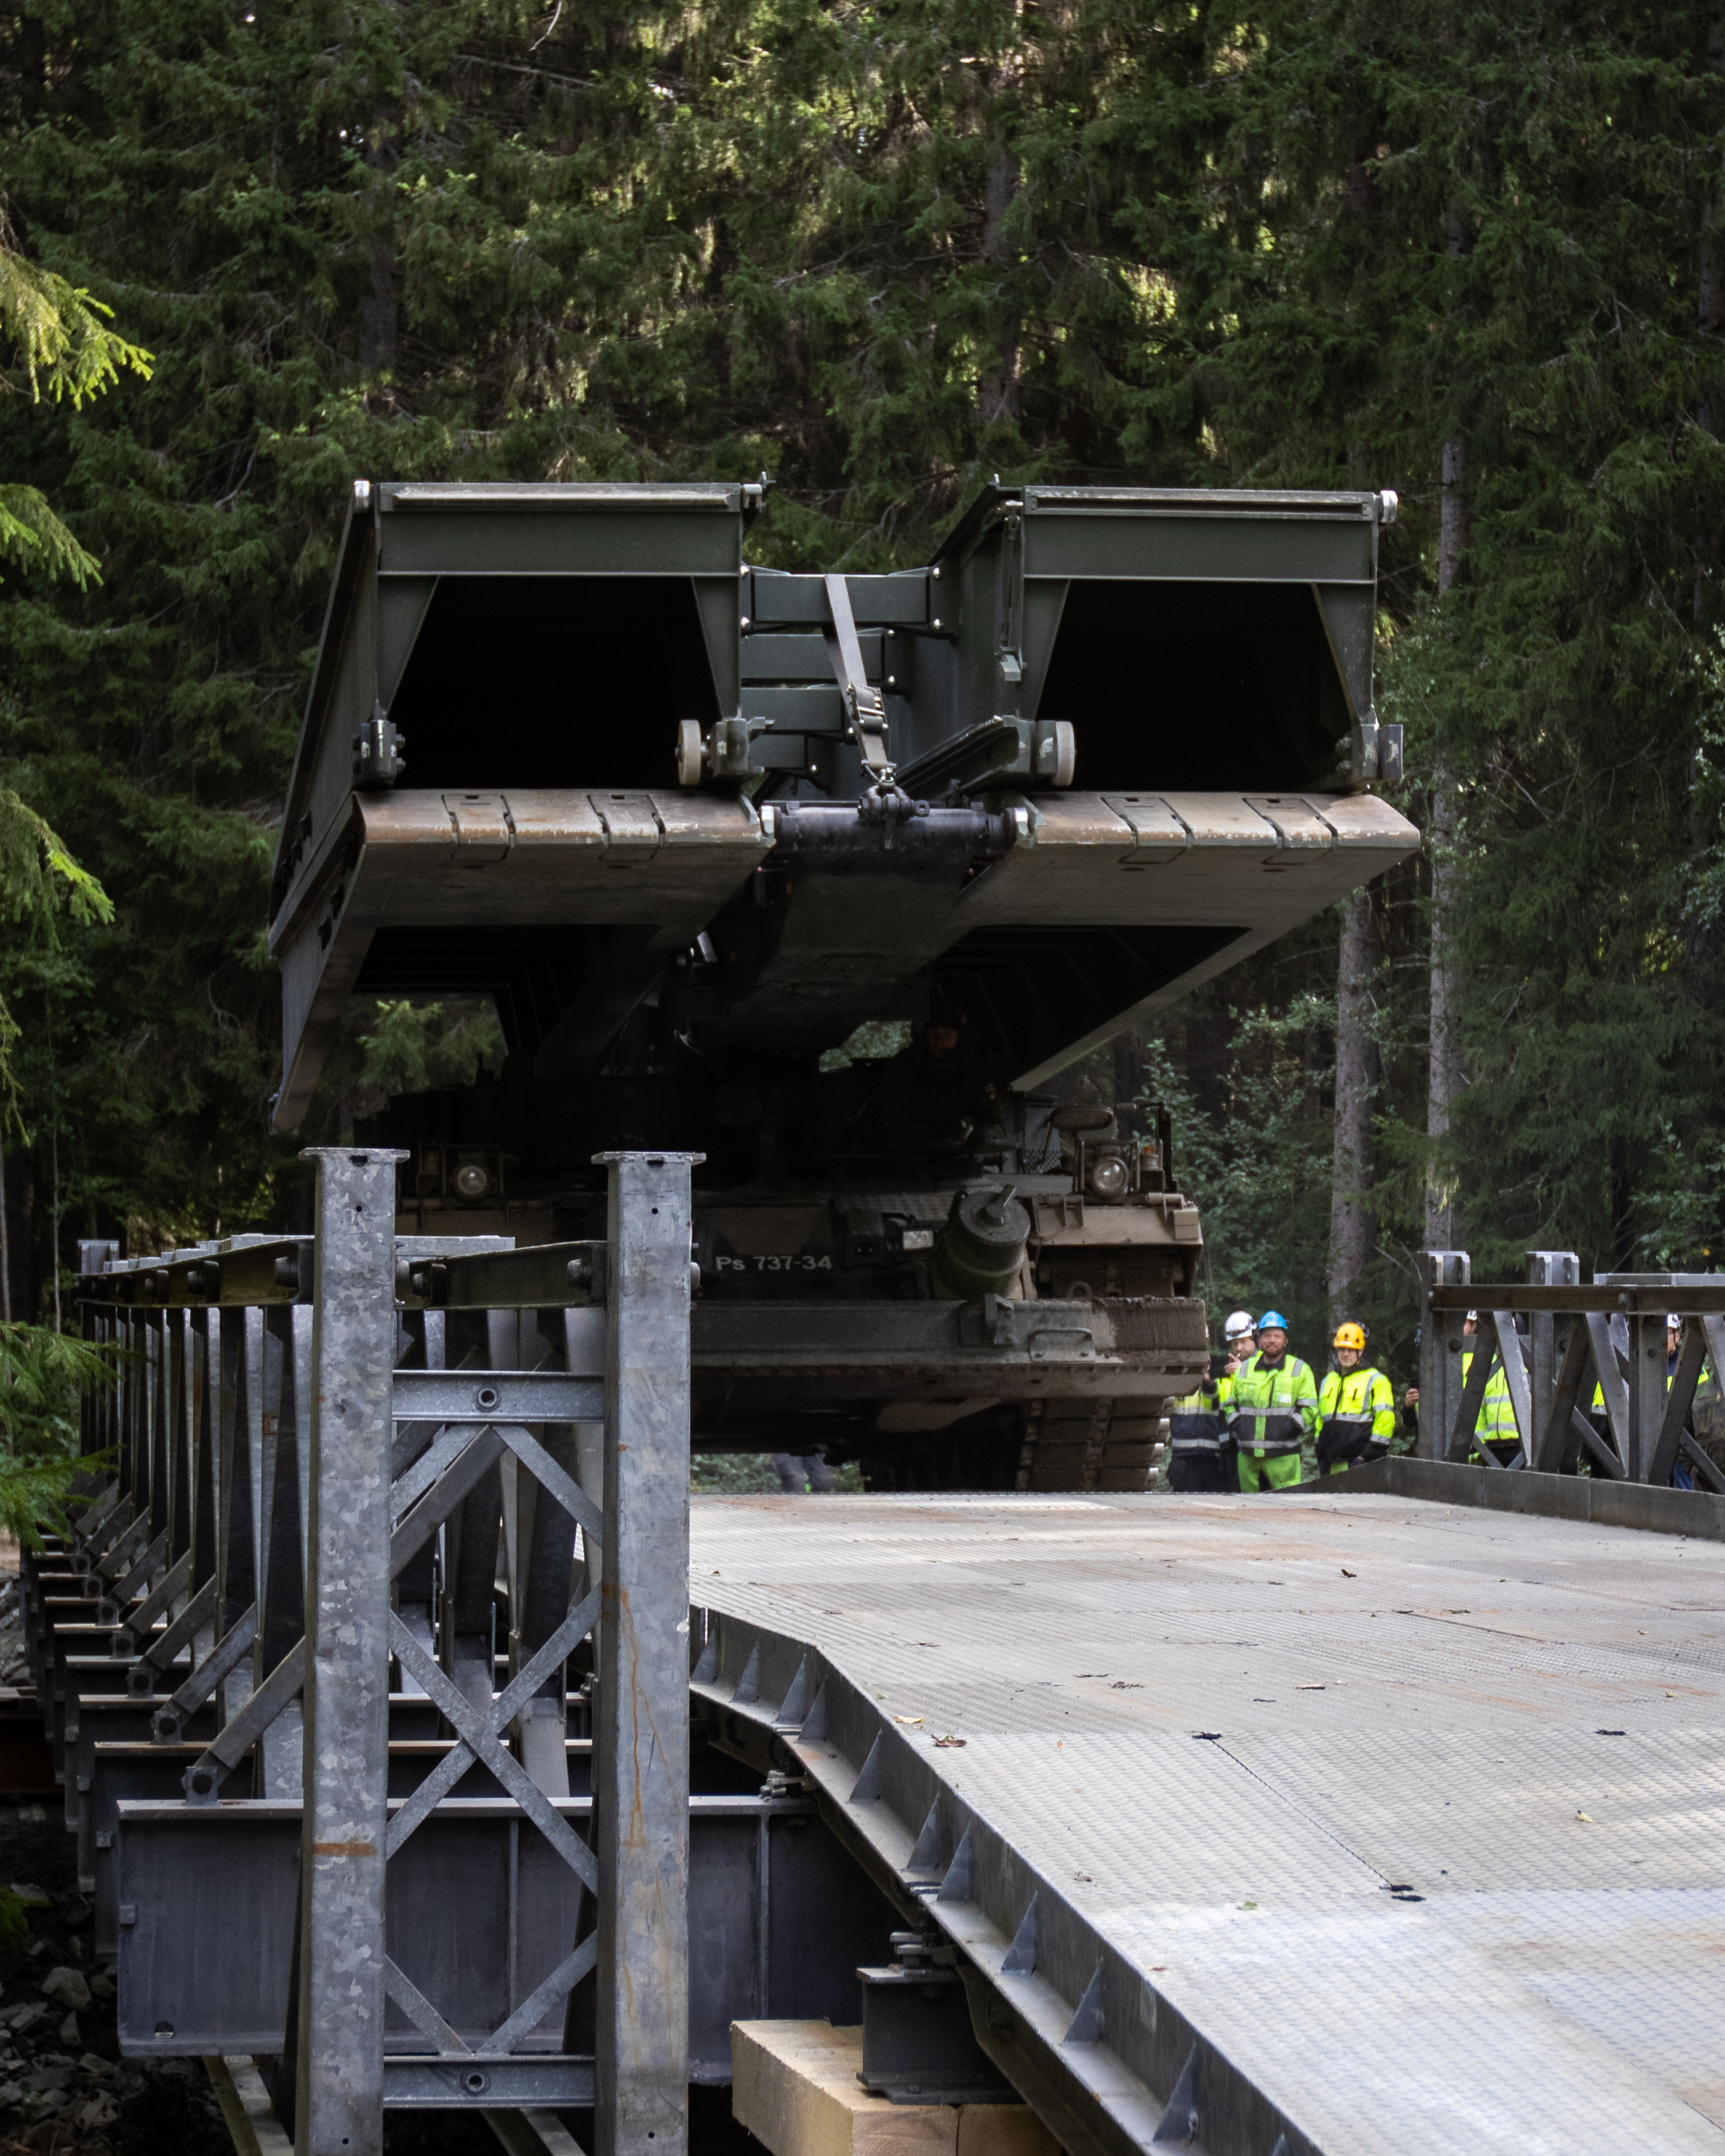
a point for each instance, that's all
(1587, 1369)
(319, 1445)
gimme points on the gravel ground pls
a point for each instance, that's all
(64, 2086)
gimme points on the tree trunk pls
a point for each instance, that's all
(54, 1218)
(1443, 1078)
(1353, 1222)
(1710, 278)
(31, 48)
(1622, 1210)
(5, 1237)
(376, 332)
(17, 1197)
(379, 316)
(1128, 1065)
(1443, 1069)
(1704, 932)
(997, 392)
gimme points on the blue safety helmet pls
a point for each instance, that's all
(1273, 1317)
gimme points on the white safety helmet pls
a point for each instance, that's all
(1673, 1323)
(1238, 1321)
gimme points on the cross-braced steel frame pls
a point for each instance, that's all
(332, 1462)
(1590, 1380)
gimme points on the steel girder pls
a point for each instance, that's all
(1109, 2064)
(479, 1913)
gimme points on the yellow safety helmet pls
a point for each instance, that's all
(1350, 1336)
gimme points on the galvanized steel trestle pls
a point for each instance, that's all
(299, 1579)
(1589, 1373)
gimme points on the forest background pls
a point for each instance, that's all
(883, 250)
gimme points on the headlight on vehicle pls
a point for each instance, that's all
(1108, 1176)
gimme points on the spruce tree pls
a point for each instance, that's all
(1489, 232)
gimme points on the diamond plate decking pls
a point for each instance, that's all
(1224, 1730)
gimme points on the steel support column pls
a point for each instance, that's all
(641, 1726)
(339, 2097)
(1549, 1344)
(1439, 1352)
(1547, 1333)
(1647, 1380)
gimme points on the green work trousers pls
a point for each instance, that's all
(1269, 1470)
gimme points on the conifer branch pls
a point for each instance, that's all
(539, 75)
(34, 538)
(55, 327)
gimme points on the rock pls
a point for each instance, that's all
(101, 1986)
(71, 2035)
(94, 2112)
(48, 2078)
(68, 1988)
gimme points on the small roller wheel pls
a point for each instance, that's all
(691, 753)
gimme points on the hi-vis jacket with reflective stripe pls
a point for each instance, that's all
(1497, 1415)
(1703, 1391)
(1197, 1422)
(1274, 1407)
(1361, 1396)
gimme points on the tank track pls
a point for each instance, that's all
(1075, 1443)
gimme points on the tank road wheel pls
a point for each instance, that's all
(1079, 1443)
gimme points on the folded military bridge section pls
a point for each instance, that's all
(1101, 746)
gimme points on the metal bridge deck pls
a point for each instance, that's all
(1225, 1730)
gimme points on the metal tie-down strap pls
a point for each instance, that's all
(864, 707)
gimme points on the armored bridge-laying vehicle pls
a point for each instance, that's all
(710, 836)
